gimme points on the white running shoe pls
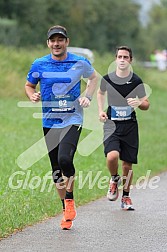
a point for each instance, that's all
(113, 193)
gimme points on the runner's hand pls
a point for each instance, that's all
(134, 102)
(36, 97)
(84, 102)
(103, 117)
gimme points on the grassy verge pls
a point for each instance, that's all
(24, 197)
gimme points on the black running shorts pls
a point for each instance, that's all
(122, 137)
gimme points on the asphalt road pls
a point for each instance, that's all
(102, 226)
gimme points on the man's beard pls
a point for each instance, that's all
(60, 54)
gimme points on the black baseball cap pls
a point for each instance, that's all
(57, 31)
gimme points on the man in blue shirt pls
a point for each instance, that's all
(59, 75)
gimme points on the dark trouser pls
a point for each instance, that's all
(62, 144)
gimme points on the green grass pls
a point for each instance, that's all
(18, 131)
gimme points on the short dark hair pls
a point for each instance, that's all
(126, 48)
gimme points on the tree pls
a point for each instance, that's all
(157, 26)
(99, 25)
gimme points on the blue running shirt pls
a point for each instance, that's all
(60, 87)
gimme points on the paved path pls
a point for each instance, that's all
(102, 226)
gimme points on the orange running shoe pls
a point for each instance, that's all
(126, 203)
(70, 211)
(65, 225)
(113, 193)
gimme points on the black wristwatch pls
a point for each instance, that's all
(89, 97)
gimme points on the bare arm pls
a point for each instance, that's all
(101, 100)
(91, 84)
(31, 92)
(90, 89)
(142, 104)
